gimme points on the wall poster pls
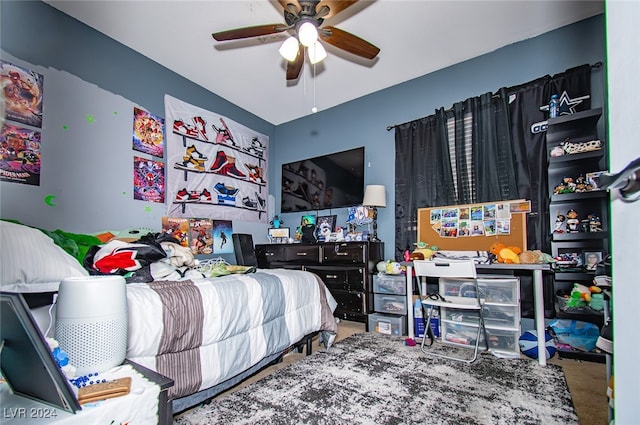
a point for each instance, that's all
(22, 93)
(148, 133)
(216, 168)
(148, 180)
(20, 155)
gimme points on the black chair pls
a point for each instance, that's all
(244, 250)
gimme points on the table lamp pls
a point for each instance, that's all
(374, 197)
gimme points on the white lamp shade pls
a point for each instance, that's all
(289, 49)
(317, 53)
(308, 34)
(374, 196)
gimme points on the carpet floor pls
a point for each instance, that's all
(370, 378)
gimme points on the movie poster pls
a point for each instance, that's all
(148, 133)
(20, 155)
(148, 180)
(178, 228)
(222, 230)
(201, 235)
(23, 94)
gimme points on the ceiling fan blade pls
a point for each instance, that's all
(248, 32)
(349, 42)
(294, 68)
(335, 6)
(291, 5)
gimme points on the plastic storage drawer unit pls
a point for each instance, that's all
(394, 304)
(501, 316)
(389, 284)
(493, 290)
(500, 297)
(387, 324)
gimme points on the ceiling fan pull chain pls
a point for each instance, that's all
(314, 109)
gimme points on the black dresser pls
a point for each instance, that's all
(345, 267)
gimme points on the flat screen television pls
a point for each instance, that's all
(334, 180)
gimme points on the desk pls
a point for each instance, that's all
(538, 298)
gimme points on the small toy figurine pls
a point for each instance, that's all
(569, 184)
(559, 223)
(572, 221)
(594, 223)
(581, 184)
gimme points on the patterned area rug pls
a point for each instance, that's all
(370, 378)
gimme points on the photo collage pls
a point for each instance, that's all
(475, 220)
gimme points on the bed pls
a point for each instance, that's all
(207, 334)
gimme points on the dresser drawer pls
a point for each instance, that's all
(349, 301)
(344, 253)
(346, 278)
(268, 254)
(304, 254)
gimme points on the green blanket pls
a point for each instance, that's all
(74, 244)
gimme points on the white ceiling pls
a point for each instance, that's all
(415, 38)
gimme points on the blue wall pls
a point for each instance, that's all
(95, 65)
(363, 121)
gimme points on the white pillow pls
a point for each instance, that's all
(31, 262)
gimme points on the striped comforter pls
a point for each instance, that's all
(202, 332)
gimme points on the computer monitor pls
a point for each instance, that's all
(26, 361)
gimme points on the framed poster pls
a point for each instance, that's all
(325, 226)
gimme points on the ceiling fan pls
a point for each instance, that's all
(304, 18)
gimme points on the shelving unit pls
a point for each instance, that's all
(570, 189)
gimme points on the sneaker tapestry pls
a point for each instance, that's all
(224, 189)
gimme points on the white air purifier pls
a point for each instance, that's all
(91, 322)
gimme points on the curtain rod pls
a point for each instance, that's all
(391, 127)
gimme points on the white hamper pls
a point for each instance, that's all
(91, 322)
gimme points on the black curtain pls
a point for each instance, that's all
(482, 159)
(508, 156)
(528, 125)
(423, 174)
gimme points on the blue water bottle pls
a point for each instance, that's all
(554, 105)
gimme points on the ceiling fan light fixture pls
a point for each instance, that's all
(289, 49)
(307, 33)
(317, 53)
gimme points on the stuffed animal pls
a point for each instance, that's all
(535, 257)
(422, 252)
(505, 254)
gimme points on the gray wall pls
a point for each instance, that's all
(89, 166)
